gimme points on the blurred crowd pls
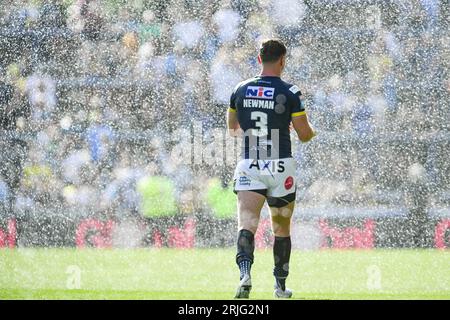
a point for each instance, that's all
(95, 88)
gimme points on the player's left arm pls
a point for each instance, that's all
(233, 126)
(233, 123)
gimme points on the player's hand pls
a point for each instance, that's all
(314, 133)
(238, 132)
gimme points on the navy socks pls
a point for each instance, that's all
(245, 250)
(281, 257)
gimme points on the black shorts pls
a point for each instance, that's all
(278, 202)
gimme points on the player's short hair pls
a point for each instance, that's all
(271, 50)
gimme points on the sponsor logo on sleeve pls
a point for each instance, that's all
(294, 89)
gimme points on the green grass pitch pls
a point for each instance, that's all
(212, 274)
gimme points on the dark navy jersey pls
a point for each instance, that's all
(265, 106)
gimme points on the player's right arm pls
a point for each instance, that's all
(299, 118)
(303, 128)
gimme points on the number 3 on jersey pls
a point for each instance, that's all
(260, 124)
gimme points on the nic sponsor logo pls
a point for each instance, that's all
(259, 92)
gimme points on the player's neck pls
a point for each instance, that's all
(270, 73)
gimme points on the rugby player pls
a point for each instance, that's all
(261, 111)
